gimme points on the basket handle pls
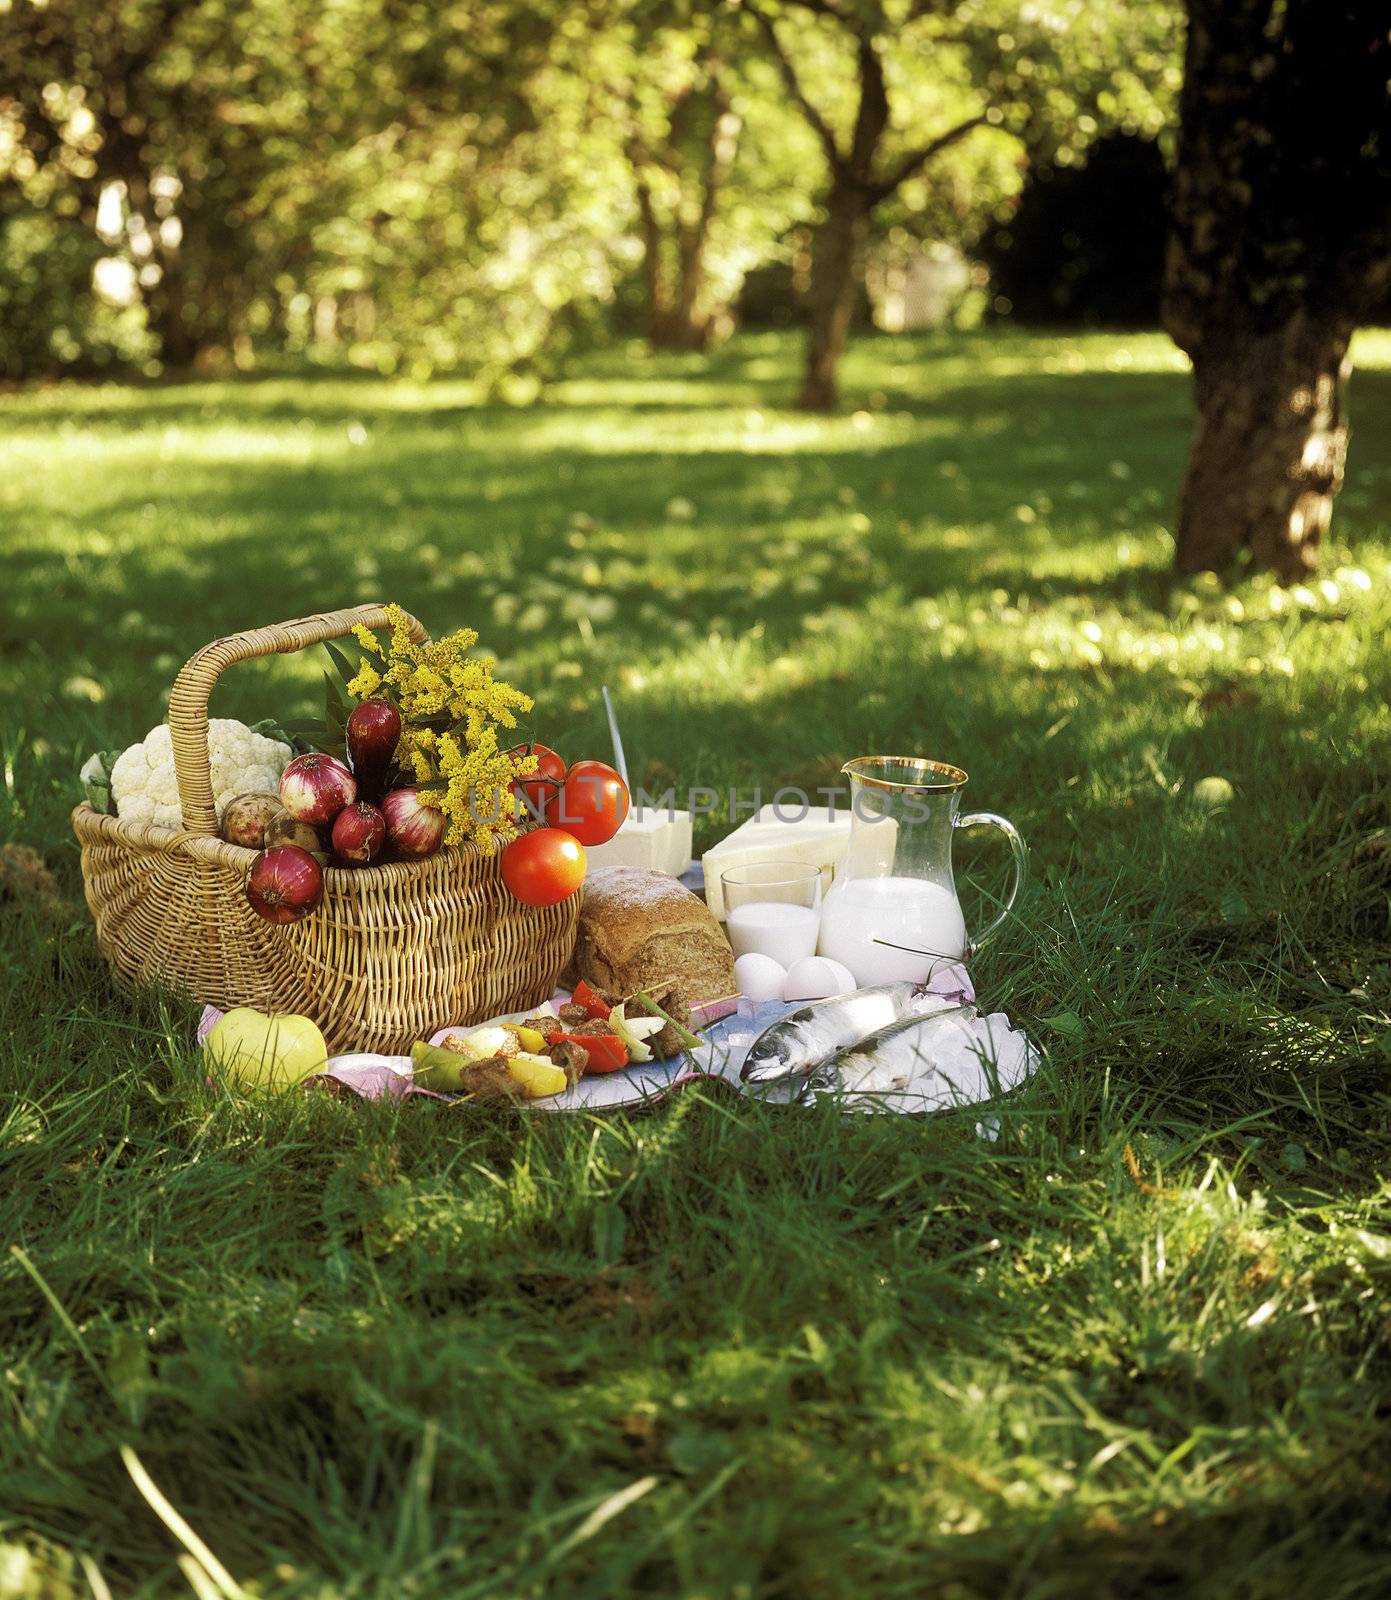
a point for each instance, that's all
(188, 701)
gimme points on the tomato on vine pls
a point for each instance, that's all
(538, 791)
(593, 803)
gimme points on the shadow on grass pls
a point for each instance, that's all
(944, 511)
(1332, 1524)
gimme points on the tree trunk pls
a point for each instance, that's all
(839, 241)
(674, 258)
(679, 322)
(653, 277)
(1267, 456)
(683, 323)
(690, 287)
(1280, 243)
(168, 308)
(194, 307)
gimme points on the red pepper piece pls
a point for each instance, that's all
(607, 1052)
(593, 1002)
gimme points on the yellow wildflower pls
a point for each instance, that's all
(476, 797)
(401, 642)
(451, 710)
(367, 681)
(426, 691)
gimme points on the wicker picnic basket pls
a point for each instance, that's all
(391, 953)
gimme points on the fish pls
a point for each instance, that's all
(930, 1063)
(808, 1037)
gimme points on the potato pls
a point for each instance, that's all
(281, 828)
(245, 817)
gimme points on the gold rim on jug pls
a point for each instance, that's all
(939, 777)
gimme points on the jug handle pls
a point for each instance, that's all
(1019, 852)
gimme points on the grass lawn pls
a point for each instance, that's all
(1139, 1342)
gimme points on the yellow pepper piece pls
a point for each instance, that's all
(530, 1039)
(537, 1076)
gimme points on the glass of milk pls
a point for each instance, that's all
(892, 915)
(773, 908)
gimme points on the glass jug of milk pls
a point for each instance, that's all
(892, 915)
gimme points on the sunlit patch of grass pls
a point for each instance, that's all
(1134, 1340)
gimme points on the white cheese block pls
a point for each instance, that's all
(650, 837)
(817, 840)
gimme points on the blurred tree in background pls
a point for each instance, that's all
(716, 164)
(404, 185)
(479, 225)
(683, 145)
(896, 90)
(240, 162)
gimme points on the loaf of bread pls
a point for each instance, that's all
(643, 931)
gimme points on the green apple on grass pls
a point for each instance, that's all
(258, 1051)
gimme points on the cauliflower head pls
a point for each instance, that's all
(145, 789)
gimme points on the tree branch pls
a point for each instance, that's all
(815, 120)
(915, 160)
(823, 8)
(872, 114)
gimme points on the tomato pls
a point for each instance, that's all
(538, 791)
(606, 1051)
(593, 1003)
(543, 867)
(593, 803)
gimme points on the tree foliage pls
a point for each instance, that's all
(437, 183)
(947, 100)
(244, 157)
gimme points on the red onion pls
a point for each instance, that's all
(358, 833)
(315, 788)
(412, 827)
(374, 731)
(285, 883)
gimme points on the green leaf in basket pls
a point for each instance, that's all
(335, 707)
(273, 728)
(441, 722)
(96, 780)
(302, 734)
(346, 670)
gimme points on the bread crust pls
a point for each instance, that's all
(643, 931)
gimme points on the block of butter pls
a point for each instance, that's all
(817, 839)
(651, 836)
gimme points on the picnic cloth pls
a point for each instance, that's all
(973, 1058)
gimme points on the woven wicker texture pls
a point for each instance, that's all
(390, 954)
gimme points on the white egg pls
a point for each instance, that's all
(817, 978)
(759, 977)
